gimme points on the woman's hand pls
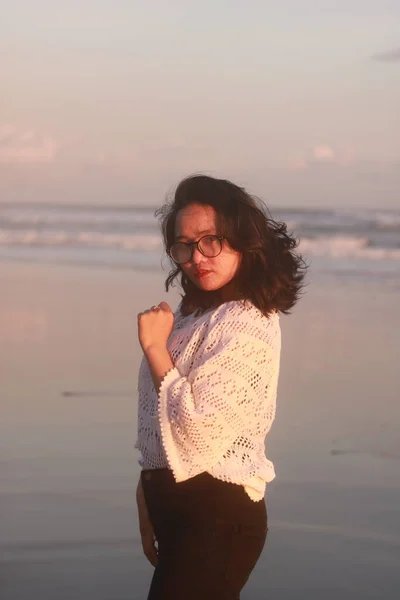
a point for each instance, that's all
(155, 325)
(146, 528)
(148, 541)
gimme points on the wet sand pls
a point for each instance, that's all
(68, 364)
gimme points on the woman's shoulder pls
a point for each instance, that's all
(235, 316)
(244, 310)
(243, 318)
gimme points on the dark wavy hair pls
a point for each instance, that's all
(270, 274)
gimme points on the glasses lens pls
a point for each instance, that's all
(210, 246)
(180, 252)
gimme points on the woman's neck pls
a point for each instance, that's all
(201, 301)
(229, 292)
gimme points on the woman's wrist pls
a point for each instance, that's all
(157, 348)
(160, 363)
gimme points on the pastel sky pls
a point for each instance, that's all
(113, 101)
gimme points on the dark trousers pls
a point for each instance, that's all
(210, 535)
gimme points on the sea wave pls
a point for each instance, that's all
(333, 247)
(81, 239)
(346, 247)
(113, 217)
(388, 221)
(38, 217)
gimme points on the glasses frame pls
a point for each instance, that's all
(191, 245)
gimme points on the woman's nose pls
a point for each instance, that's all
(197, 256)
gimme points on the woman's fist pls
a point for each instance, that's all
(155, 325)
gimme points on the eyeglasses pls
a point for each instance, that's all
(209, 245)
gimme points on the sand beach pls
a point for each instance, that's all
(68, 363)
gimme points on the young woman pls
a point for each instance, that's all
(207, 390)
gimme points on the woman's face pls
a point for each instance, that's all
(193, 222)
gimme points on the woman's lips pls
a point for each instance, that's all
(200, 274)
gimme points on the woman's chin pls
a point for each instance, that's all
(205, 283)
(206, 286)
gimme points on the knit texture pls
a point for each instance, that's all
(217, 404)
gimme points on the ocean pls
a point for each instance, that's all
(340, 242)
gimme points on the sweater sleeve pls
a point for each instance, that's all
(222, 397)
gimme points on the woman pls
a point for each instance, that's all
(207, 390)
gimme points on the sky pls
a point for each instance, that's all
(113, 101)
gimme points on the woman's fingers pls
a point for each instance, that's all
(165, 306)
(156, 307)
(149, 548)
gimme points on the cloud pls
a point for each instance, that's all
(26, 146)
(138, 152)
(390, 56)
(321, 154)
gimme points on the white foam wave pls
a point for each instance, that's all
(350, 222)
(83, 239)
(388, 221)
(334, 247)
(346, 247)
(127, 219)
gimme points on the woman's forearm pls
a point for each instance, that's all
(160, 363)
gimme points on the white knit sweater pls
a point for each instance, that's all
(217, 404)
